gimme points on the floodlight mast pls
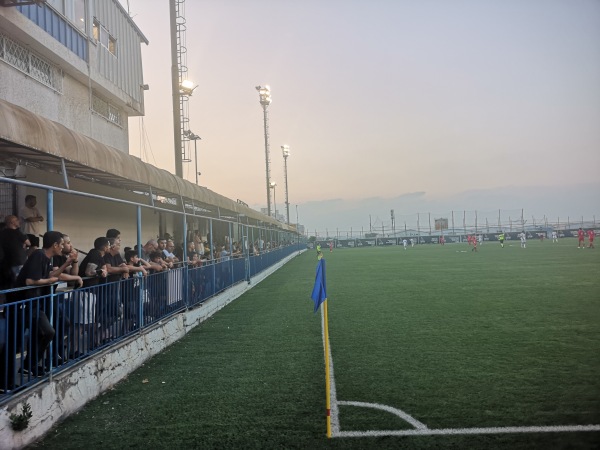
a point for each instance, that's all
(285, 149)
(264, 93)
(273, 185)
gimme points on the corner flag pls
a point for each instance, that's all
(319, 293)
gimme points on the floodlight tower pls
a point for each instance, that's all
(181, 88)
(264, 93)
(285, 149)
(273, 185)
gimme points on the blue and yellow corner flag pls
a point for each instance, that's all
(319, 293)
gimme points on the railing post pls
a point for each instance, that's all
(50, 210)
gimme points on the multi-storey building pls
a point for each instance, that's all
(76, 62)
(70, 77)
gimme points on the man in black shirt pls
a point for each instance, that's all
(89, 303)
(117, 271)
(38, 274)
(14, 243)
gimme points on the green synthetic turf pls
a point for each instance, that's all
(457, 339)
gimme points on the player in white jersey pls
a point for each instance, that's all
(523, 240)
(554, 236)
(405, 243)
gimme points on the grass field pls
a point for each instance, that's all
(456, 339)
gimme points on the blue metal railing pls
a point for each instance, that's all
(43, 335)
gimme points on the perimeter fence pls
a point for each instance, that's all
(455, 226)
(47, 327)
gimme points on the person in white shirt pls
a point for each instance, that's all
(554, 236)
(523, 240)
(31, 217)
(405, 243)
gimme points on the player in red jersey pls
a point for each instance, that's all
(474, 241)
(580, 239)
(591, 236)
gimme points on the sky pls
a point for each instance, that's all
(453, 104)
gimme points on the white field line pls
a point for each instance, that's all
(420, 428)
(397, 412)
(456, 431)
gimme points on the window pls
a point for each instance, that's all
(102, 35)
(106, 110)
(30, 63)
(72, 10)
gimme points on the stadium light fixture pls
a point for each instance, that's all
(187, 87)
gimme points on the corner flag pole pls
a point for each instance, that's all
(327, 384)
(319, 296)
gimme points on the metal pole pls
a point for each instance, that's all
(287, 203)
(196, 158)
(274, 203)
(175, 90)
(50, 209)
(267, 161)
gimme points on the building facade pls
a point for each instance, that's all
(75, 62)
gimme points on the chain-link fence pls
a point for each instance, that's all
(456, 223)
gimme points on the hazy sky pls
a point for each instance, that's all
(380, 98)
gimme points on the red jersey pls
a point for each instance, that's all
(591, 235)
(580, 235)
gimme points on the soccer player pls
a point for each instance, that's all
(580, 238)
(591, 235)
(523, 240)
(554, 237)
(501, 239)
(442, 240)
(474, 240)
(330, 246)
(405, 243)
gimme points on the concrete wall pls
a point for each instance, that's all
(85, 219)
(52, 401)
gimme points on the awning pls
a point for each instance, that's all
(43, 143)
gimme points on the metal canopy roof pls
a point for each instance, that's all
(30, 139)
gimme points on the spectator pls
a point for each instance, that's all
(151, 246)
(117, 270)
(63, 307)
(30, 219)
(169, 256)
(93, 271)
(132, 290)
(113, 233)
(70, 257)
(38, 273)
(14, 243)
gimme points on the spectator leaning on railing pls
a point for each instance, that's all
(37, 272)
